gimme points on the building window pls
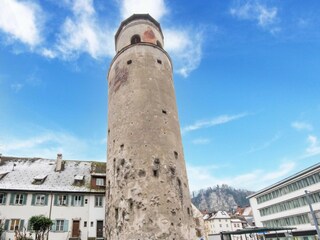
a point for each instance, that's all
(19, 199)
(59, 225)
(98, 201)
(3, 197)
(85, 223)
(14, 225)
(100, 181)
(135, 39)
(61, 200)
(40, 199)
(77, 200)
(302, 183)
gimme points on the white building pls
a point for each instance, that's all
(284, 203)
(71, 193)
(217, 222)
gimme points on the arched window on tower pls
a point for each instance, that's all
(135, 39)
(159, 44)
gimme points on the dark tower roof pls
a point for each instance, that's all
(136, 17)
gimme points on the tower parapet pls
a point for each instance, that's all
(147, 186)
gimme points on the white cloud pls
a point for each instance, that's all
(201, 141)
(82, 33)
(201, 177)
(266, 17)
(48, 53)
(314, 146)
(302, 126)
(213, 122)
(156, 8)
(21, 20)
(185, 47)
(47, 144)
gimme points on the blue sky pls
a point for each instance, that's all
(246, 79)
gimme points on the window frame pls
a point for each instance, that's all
(98, 201)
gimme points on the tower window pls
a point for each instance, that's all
(129, 62)
(135, 39)
(159, 61)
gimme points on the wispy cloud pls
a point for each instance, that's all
(266, 17)
(22, 20)
(265, 144)
(302, 126)
(201, 141)
(314, 146)
(185, 47)
(213, 122)
(16, 87)
(82, 33)
(201, 177)
(156, 8)
(48, 143)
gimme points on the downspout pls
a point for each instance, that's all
(50, 210)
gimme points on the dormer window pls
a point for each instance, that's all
(100, 182)
(78, 179)
(135, 39)
(39, 179)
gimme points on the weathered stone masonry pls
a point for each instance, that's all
(147, 186)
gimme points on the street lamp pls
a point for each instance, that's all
(312, 213)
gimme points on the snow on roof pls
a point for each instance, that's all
(40, 177)
(79, 177)
(27, 170)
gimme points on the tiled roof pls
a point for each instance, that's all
(22, 172)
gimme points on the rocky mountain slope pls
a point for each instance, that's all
(220, 198)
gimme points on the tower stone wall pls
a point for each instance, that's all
(147, 186)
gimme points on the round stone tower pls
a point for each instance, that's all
(147, 186)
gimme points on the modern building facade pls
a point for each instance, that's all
(147, 186)
(70, 193)
(284, 204)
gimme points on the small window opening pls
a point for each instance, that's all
(157, 161)
(135, 39)
(188, 210)
(176, 155)
(164, 111)
(121, 146)
(129, 62)
(116, 213)
(108, 131)
(159, 61)
(130, 204)
(155, 173)
(159, 44)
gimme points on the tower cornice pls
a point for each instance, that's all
(137, 17)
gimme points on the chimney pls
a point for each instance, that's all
(59, 162)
